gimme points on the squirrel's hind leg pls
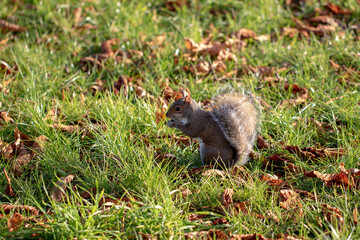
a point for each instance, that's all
(211, 156)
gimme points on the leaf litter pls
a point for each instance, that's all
(324, 22)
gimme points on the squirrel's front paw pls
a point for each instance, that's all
(171, 123)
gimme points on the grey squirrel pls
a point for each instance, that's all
(226, 134)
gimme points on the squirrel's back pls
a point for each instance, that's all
(237, 116)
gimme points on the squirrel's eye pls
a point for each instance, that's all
(177, 109)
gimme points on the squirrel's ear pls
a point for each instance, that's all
(188, 99)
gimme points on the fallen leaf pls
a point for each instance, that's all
(7, 27)
(217, 234)
(39, 144)
(213, 173)
(337, 10)
(172, 5)
(7, 208)
(158, 40)
(261, 143)
(302, 94)
(321, 30)
(220, 221)
(254, 236)
(122, 82)
(310, 153)
(165, 157)
(226, 197)
(332, 215)
(216, 49)
(262, 38)
(289, 199)
(147, 236)
(106, 46)
(244, 33)
(196, 235)
(185, 192)
(355, 216)
(77, 15)
(14, 222)
(195, 216)
(338, 180)
(6, 150)
(6, 117)
(58, 191)
(325, 20)
(66, 128)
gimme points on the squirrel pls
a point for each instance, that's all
(226, 134)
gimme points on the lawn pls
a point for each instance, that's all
(85, 150)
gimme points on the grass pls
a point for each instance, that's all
(112, 162)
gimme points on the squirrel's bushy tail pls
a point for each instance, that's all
(237, 116)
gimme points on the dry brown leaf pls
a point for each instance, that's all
(77, 15)
(262, 38)
(23, 156)
(339, 180)
(216, 49)
(159, 117)
(226, 197)
(320, 30)
(289, 199)
(355, 216)
(6, 208)
(167, 157)
(58, 191)
(310, 153)
(302, 94)
(98, 86)
(202, 67)
(7, 27)
(276, 183)
(195, 216)
(325, 20)
(196, 235)
(6, 150)
(89, 62)
(122, 82)
(254, 236)
(6, 117)
(39, 144)
(66, 128)
(4, 41)
(220, 221)
(14, 222)
(261, 143)
(106, 46)
(244, 33)
(262, 71)
(217, 234)
(158, 40)
(213, 173)
(185, 192)
(147, 236)
(332, 215)
(335, 9)
(172, 5)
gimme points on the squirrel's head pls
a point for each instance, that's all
(181, 108)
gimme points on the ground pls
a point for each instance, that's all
(85, 150)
